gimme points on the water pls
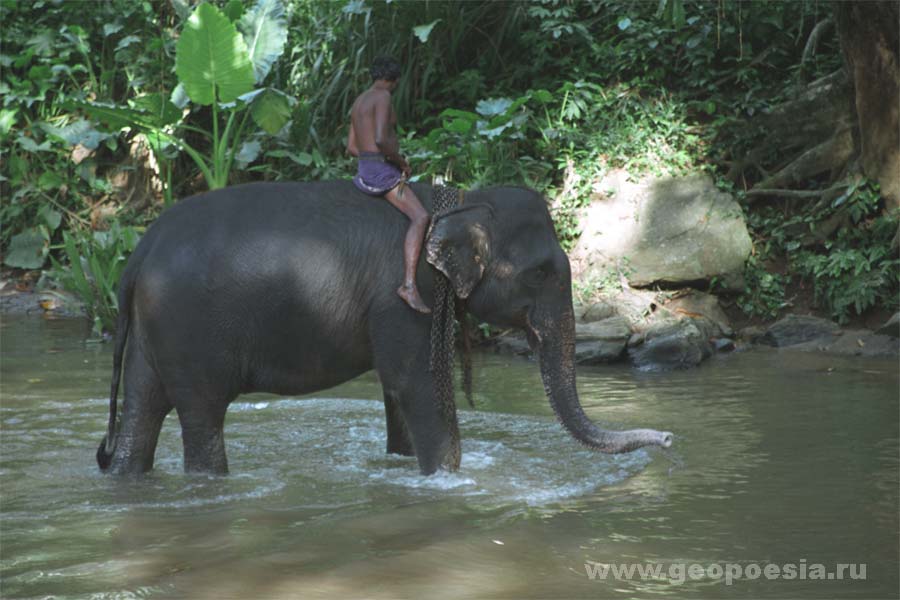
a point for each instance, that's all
(779, 458)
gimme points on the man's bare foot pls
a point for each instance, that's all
(411, 296)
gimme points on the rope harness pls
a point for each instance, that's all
(443, 334)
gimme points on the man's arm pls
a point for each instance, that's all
(352, 148)
(385, 136)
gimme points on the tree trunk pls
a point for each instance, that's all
(870, 36)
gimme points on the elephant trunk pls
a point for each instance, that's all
(554, 339)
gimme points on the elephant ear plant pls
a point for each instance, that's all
(221, 60)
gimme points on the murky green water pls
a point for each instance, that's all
(779, 458)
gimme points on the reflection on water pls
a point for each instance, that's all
(778, 457)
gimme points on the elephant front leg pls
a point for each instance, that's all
(402, 349)
(398, 441)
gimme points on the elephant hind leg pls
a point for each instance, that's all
(202, 431)
(398, 441)
(143, 412)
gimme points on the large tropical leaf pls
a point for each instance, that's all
(211, 58)
(271, 110)
(114, 117)
(27, 250)
(265, 32)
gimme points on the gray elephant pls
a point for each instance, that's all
(289, 288)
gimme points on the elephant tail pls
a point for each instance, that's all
(123, 321)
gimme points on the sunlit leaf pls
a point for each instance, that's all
(211, 58)
(493, 106)
(264, 28)
(423, 31)
(248, 153)
(624, 24)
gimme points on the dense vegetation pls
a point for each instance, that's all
(104, 124)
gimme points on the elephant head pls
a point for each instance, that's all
(500, 252)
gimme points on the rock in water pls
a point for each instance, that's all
(799, 329)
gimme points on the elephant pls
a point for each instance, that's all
(289, 288)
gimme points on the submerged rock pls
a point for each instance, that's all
(674, 345)
(799, 329)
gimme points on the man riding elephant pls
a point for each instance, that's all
(383, 171)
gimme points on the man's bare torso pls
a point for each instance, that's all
(371, 115)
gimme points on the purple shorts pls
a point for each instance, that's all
(375, 176)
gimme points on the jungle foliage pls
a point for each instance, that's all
(113, 109)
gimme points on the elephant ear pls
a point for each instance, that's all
(459, 246)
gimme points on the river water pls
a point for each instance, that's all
(783, 459)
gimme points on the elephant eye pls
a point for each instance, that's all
(535, 277)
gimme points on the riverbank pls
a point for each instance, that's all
(651, 331)
(662, 331)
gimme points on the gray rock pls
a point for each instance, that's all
(694, 304)
(602, 341)
(513, 344)
(752, 334)
(598, 311)
(676, 345)
(853, 342)
(595, 352)
(723, 344)
(670, 230)
(799, 329)
(892, 327)
(612, 328)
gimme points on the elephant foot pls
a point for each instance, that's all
(410, 295)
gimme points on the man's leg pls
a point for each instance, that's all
(403, 198)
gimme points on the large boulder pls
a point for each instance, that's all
(662, 230)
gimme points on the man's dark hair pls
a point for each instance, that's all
(385, 67)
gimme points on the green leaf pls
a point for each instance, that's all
(77, 132)
(458, 126)
(115, 117)
(542, 96)
(27, 250)
(301, 158)
(234, 10)
(211, 58)
(265, 33)
(624, 24)
(7, 119)
(423, 31)
(49, 181)
(271, 110)
(159, 107)
(51, 217)
(459, 114)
